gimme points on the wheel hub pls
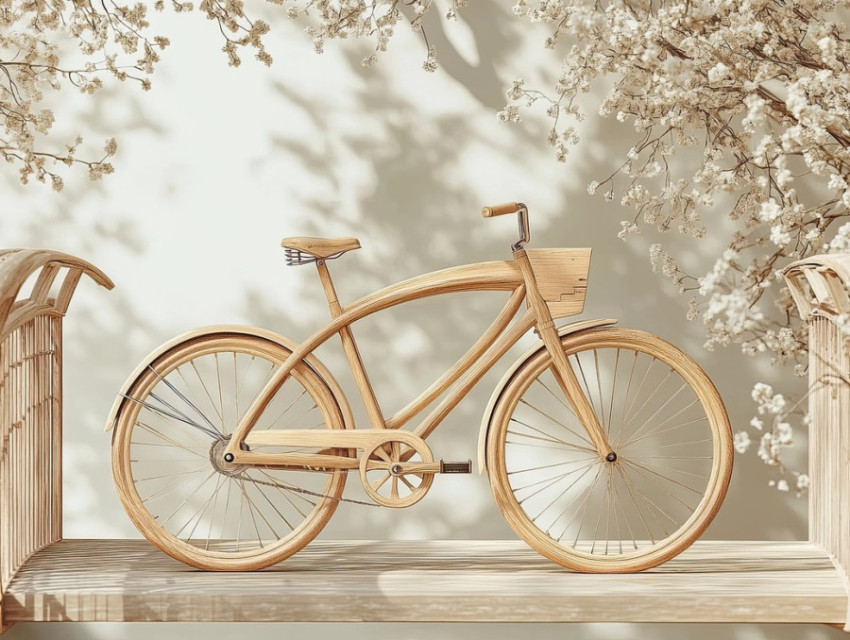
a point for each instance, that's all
(217, 458)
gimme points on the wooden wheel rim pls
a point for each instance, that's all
(272, 553)
(716, 485)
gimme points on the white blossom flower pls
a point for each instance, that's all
(770, 211)
(718, 73)
(741, 441)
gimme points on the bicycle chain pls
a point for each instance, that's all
(311, 493)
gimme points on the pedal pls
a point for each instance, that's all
(456, 467)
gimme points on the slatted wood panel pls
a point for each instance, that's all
(30, 441)
(820, 286)
(498, 581)
(31, 400)
(829, 439)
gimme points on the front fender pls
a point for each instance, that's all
(311, 361)
(488, 413)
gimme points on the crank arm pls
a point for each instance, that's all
(418, 468)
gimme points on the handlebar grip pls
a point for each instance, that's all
(501, 209)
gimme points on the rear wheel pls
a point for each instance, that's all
(667, 426)
(168, 460)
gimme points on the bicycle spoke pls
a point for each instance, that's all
(189, 497)
(551, 439)
(651, 502)
(556, 498)
(587, 393)
(220, 396)
(628, 484)
(599, 389)
(180, 373)
(550, 482)
(613, 395)
(162, 412)
(557, 397)
(659, 475)
(628, 411)
(273, 506)
(200, 514)
(604, 505)
(251, 507)
(585, 505)
(171, 441)
(558, 422)
(186, 400)
(667, 430)
(648, 398)
(558, 475)
(292, 404)
(660, 409)
(170, 475)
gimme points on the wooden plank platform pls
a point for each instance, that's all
(459, 580)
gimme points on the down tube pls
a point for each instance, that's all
(475, 373)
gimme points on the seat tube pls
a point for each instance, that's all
(562, 369)
(352, 353)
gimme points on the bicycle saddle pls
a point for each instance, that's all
(317, 248)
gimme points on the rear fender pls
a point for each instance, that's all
(310, 360)
(575, 327)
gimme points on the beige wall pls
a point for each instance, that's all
(216, 164)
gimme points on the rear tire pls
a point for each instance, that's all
(168, 463)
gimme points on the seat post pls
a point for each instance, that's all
(328, 286)
(352, 353)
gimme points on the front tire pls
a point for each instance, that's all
(665, 422)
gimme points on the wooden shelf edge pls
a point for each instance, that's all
(428, 581)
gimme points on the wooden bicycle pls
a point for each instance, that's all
(607, 449)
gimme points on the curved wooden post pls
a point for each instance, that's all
(31, 400)
(820, 286)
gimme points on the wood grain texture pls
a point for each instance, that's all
(496, 581)
(31, 400)
(321, 247)
(17, 265)
(561, 278)
(481, 276)
(819, 286)
(352, 353)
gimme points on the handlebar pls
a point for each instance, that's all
(522, 218)
(502, 209)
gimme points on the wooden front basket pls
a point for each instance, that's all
(562, 278)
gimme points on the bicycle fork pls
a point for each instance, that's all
(561, 367)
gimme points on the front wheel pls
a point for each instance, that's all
(667, 426)
(168, 454)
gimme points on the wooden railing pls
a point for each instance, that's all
(31, 399)
(820, 286)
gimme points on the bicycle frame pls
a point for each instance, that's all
(500, 336)
(478, 359)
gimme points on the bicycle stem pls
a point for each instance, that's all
(561, 367)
